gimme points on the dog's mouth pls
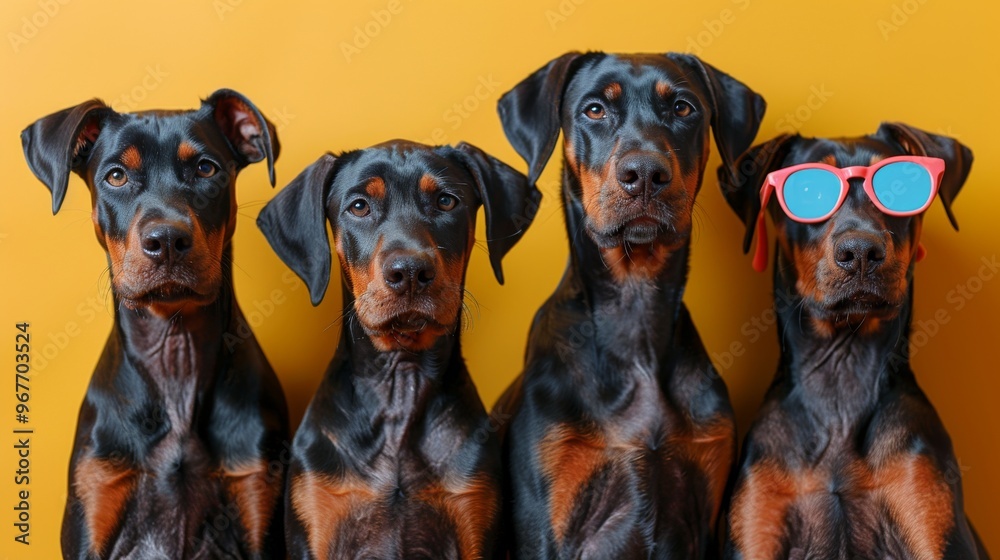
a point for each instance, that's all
(166, 294)
(412, 331)
(858, 305)
(641, 229)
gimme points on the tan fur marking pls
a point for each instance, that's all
(256, 494)
(428, 184)
(663, 89)
(919, 501)
(103, 488)
(757, 514)
(639, 262)
(186, 151)
(591, 183)
(569, 459)
(322, 504)
(131, 158)
(613, 91)
(710, 447)
(375, 187)
(472, 507)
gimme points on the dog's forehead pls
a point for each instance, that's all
(405, 166)
(152, 130)
(630, 71)
(841, 152)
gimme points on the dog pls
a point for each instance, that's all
(847, 457)
(395, 457)
(622, 435)
(178, 441)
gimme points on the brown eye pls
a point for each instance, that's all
(116, 177)
(446, 202)
(682, 108)
(360, 208)
(206, 168)
(594, 111)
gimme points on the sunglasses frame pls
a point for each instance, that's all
(775, 184)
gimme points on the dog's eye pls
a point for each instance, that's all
(594, 111)
(447, 202)
(206, 168)
(360, 208)
(116, 177)
(682, 108)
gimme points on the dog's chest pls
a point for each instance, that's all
(179, 498)
(900, 507)
(406, 503)
(634, 476)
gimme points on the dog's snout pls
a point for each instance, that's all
(408, 272)
(859, 253)
(643, 174)
(166, 242)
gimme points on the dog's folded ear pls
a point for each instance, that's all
(742, 182)
(957, 157)
(530, 113)
(736, 110)
(510, 201)
(294, 223)
(60, 143)
(252, 136)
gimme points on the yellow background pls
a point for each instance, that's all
(929, 63)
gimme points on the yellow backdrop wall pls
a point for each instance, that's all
(339, 75)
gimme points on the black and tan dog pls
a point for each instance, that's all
(395, 458)
(178, 442)
(847, 458)
(622, 435)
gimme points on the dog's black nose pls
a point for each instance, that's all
(408, 272)
(166, 242)
(643, 174)
(859, 253)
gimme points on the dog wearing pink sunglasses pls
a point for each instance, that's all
(847, 457)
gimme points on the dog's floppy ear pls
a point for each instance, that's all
(60, 143)
(252, 136)
(736, 109)
(741, 184)
(510, 202)
(529, 113)
(957, 157)
(294, 223)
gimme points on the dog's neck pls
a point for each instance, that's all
(635, 315)
(401, 380)
(178, 355)
(843, 373)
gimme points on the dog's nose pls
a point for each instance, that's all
(166, 242)
(859, 253)
(644, 174)
(408, 273)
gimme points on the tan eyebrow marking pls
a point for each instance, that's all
(613, 91)
(131, 158)
(375, 187)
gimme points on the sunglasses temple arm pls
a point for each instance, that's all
(760, 252)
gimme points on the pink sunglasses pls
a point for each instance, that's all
(813, 192)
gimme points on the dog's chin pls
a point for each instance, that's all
(411, 332)
(856, 308)
(165, 298)
(643, 230)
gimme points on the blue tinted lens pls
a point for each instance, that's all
(811, 193)
(902, 186)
